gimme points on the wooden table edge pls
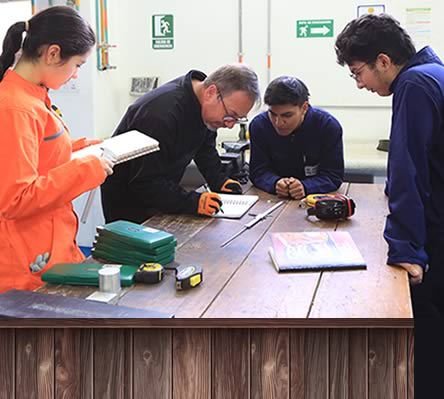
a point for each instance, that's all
(208, 323)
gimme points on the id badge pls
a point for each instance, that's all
(311, 170)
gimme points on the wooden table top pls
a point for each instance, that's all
(240, 282)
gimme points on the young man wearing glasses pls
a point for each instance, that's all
(183, 115)
(296, 149)
(383, 59)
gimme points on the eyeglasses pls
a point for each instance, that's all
(230, 118)
(355, 75)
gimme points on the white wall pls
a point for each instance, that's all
(11, 13)
(206, 35)
(205, 38)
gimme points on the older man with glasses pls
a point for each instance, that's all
(183, 115)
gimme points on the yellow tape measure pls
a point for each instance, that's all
(310, 200)
(188, 276)
(150, 273)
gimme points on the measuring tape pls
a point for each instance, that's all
(149, 273)
(330, 206)
(310, 200)
(188, 276)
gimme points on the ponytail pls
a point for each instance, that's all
(11, 45)
(59, 25)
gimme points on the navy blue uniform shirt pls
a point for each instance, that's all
(415, 225)
(313, 153)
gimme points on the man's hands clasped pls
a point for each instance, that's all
(290, 187)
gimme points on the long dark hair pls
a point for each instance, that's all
(59, 25)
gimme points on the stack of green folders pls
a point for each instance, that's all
(133, 244)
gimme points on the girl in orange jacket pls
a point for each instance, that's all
(39, 180)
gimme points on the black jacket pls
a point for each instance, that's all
(144, 186)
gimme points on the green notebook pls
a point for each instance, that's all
(128, 259)
(119, 253)
(135, 234)
(118, 243)
(85, 274)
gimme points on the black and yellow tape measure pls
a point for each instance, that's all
(188, 276)
(149, 273)
(330, 206)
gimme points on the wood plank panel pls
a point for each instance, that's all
(358, 363)
(339, 367)
(410, 364)
(74, 363)
(7, 363)
(34, 363)
(297, 364)
(309, 356)
(316, 361)
(113, 363)
(401, 365)
(152, 363)
(270, 364)
(26, 363)
(45, 363)
(192, 364)
(231, 363)
(345, 294)
(329, 363)
(219, 264)
(289, 295)
(382, 355)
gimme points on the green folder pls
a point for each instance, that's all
(128, 259)
(85, 274)
(114, 252)
(135, 234)
(116, 242)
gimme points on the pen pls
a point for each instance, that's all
(208, 189)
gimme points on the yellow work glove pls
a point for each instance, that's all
(209, 204)
(231, 186)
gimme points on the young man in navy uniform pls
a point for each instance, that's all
(296, 149)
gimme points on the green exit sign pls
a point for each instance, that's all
(314, 28)
(163, 31)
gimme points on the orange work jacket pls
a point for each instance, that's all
(38, 182)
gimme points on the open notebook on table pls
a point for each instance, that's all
(121, 148)
(235, 206)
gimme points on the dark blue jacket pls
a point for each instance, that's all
(317, 143)
(415, 225)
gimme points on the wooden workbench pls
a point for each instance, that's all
(246, 332)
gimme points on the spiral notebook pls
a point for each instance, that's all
(122, 148)
(235, 206)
